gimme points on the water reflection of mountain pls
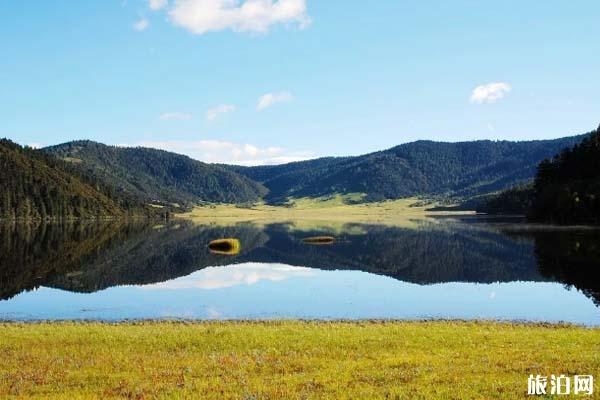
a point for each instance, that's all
(156, 255)
(572, 258)
(32, 255)
(434, 253)
(88, 258)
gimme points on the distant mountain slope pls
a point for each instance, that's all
(38, 186)
(423, 167)
(460, 170)
(159, 176)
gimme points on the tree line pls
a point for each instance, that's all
(565, 190)
(38, 186)
(567, 187)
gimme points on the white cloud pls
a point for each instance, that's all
(490, 93)
(267, 100)
(217, 151)
(214, 112)
(141, 25)
(156, 5)
(175, 116)
(248, 274)
(202, 16)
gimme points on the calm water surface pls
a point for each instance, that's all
(444, 268)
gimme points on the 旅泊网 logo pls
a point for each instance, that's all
(538, 385)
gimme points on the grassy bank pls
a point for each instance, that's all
(339, 208)
(276, 360)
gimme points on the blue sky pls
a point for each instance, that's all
(264, 81)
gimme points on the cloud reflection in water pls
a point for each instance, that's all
(212, 278)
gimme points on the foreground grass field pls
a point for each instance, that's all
(288, 360)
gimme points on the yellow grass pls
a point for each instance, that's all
(288, 360)
(227, 246)
(310, 212)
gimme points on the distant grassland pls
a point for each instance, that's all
(340, 208)
(288, 360)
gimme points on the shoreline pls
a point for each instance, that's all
(307, 321)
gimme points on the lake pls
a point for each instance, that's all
(450, 268)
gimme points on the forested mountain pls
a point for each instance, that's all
(157, 176)
(419, 168)
(567, 187)
(36, 185)
(84, 179)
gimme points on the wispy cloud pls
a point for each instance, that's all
(202, 16)
(214, 112)
(248, 274)
(218, 151)
(268, 100)
(156, 5)
(490, 93)
(141, 25)
(175, 116)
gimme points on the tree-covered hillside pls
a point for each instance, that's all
(84, 179)
(419, 168)
(514, 201)
(567, 187)
(157, 176)
(36, 185)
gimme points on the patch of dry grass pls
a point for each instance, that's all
(288, 360)
(307, 212)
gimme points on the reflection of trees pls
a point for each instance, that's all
(158, 255)
(87, 258)
(572, 258)
(433, 254)
(30, 255)
(91, 257)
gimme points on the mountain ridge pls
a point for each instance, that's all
(448, 170)
(158, 176)
(425, 167)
